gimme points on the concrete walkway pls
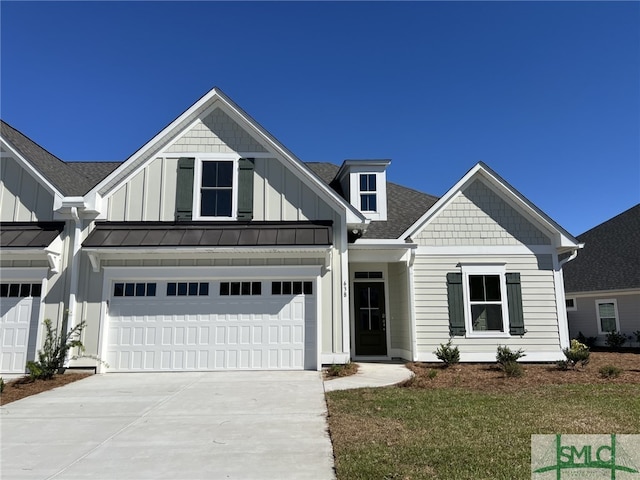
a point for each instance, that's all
(189, 425)
(371, 375)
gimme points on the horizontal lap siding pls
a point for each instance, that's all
(538, 301)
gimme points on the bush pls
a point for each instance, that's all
(448, 354)
(615, 339)
(432, 374)
(508, 361)
(578, 353)
(637, 334)
(505, 355)
(1, 384)
(54, 351)
(342, 370)
(588, 341)
(609, 371)
(513, 369)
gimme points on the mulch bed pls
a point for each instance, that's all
(25, 387)
(488, 377)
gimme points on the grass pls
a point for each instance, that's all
(452, 433)
(472, 422)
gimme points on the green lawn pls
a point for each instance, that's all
(456, 434)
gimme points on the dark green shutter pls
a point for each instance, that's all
(514, 301)
(245, 189)
(456, 304)
(184, 190)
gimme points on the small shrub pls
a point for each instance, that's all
(588, 341)
(637, 335)
(448, 354)
(432, 374)
(513, 369)
(53, 354)
(504, 355)
(578, 353)
(563, 365)
(615, 339)
(609, 371)
(1, 384)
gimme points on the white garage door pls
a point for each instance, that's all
(19, 308)
(208, 325)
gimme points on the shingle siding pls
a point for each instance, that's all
(479, 217)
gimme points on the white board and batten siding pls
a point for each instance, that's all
(22, 198)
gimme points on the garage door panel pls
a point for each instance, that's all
(18, 331)
(209, 332)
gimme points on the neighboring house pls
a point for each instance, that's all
(214, 247)
(603, 282)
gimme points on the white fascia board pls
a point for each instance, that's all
(178, 273)
(17, 274)
(604, 293)
(381, 243)
(269, 252)
(205, 103)
(511, 195)
(31, 169)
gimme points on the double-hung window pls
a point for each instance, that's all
(485, 297)
(368, 196)
(216, 188)
(607, 311)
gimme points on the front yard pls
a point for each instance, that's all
(470, 422)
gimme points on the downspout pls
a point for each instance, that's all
(412, 309)
(561, 307)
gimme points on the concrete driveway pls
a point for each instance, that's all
(214, 425)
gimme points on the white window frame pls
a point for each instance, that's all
(197, 185)
(575, 304)
(375, 192)
(485, 269)
(615, 309)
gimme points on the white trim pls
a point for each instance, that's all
(559, 235)
(363, 243)
(345, 306)
(18, 274)
(386, 255)
(486, 357)
(487, 250)
(197, 184)
(215, 98)
(318, 315)
(494, 269)
(177, 273)
(561, 308)
(599, 302)
(334, 358)
(411, 298)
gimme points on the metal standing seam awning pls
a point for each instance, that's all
(26, 240)
(158, 237)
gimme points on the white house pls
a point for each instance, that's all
(214, 247)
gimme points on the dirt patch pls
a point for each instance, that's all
(488, 377)
(25, 387)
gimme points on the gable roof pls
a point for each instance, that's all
(215, 98)
(64, 178)
(563, 239)
(610, 259)
(400, 216)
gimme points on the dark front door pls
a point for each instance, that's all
(370, 331)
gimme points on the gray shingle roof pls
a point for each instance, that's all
(63, 176)
(404, 205)
(610, 259)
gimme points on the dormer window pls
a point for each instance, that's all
(368, 197)
(364, 184)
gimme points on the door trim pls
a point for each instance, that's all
(352, 307)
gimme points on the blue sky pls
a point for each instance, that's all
(546, 93)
